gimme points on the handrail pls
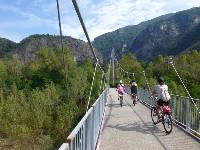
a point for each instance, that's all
(183, 111)
(79, 125)
(64, 146)
(85, 135)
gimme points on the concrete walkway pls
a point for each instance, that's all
(130, 128)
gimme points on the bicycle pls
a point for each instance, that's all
(164, 116)
(134, 98)
(121, 99)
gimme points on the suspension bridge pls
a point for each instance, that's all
(107, 126)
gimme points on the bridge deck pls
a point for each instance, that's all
(130, 127)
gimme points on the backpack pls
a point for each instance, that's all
(121, 89)
(165, 95)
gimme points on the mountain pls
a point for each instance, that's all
(28, 47)
(6, 46)
(168, 35)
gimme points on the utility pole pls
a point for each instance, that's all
(113, 65)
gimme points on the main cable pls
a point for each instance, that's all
(91, 87)
(61, 41)
(84, 28)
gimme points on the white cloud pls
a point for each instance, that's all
(113, 14)
(99, 16)
(109, 15)
(11, 36)
(74, 31)
(84, 3)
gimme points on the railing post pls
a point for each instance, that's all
(93, 128)
(64, 146)
(187, 119)
(84, 137)
(173, 100)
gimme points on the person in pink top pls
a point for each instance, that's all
(121, 91)
(121, 88)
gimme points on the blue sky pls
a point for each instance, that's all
(21, 18)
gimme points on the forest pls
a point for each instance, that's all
(187, 64)
(41, 102)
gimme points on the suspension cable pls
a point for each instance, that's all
(86, 33)
(101, 68)
(94, 74)
(61, 41)
(109, 70)
(84, 28)
(133, 74)
(91, 47)
(171, 62)
(102, 78)
(120, 66)
(108, 73)
(148, 85)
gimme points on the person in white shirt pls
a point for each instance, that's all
(159, 90)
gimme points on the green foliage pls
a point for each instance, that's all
(187, 64)
(130, 63)
(40, 103)
(169, 34)
(6, 46)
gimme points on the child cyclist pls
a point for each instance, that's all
(134, 91)
(120, 89)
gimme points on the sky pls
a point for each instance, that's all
(21, 18)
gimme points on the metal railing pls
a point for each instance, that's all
(85, 134)
(183, 110)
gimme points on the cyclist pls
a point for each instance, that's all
(134, 91)
(161, 92)
(121, 89)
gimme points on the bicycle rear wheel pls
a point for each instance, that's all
(134, 99)
(167, 123)
(154, 116)
(121, 100)
(134, 102)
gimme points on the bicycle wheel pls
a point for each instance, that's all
(167, 123)
(154, 116)
(134, 100)
(121, 101)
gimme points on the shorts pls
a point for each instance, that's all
(132, 93)
(160, 102)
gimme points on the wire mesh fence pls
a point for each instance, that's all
(184, 112)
